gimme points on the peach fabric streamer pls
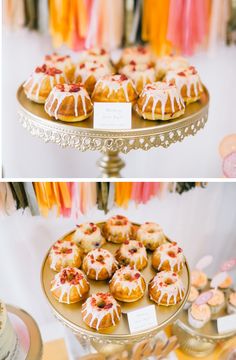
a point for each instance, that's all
(7, 202)
(187, 24)
(68, 22)
(123, 193)
(13, 13)
(155, 24)
(220, 13)
(106, 24)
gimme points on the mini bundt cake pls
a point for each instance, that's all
(132, 253)
(69, 103)
(88, 236)
(70, 286)
(114, 88)
(101, 311)
(151, 235)
(118, 229)
(127, 284)
(95, 54)
(89, 73)
(166, 288)
(160, 101)
(99, 264)
(140, 74)
(139, 54)
(41, 82)
(168, 257)
(169, 63)
(64, 253)
(61, 62)
(188, 82)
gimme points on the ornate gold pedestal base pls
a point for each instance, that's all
(193, 345)
(111, 164)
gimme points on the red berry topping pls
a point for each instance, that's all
(108, 306)
(192, 68)
(120, 217)
(74, 88)
(41, 69)
(181, 73)
(132, 62)
(137, 276)
(126, 242)
(82, 66)
(62, 58)
(123, 78)
(53, 71)
(103, 52)
(141, 50)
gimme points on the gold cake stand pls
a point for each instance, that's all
(70, 315)
(199, 342)
(82, 136)
(36, 345)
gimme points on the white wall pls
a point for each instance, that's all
(202, 221)
(26, 156)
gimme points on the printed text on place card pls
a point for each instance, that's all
(115, 116)
(142, 319)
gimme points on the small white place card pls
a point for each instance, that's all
(116, 116)
(226, 324)
(142, 319)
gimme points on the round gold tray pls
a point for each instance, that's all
(70, 315)
(199, 342)
(36, 346)
(144, 134)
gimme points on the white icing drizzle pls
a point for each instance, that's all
(67, 286)
(119, 225)
(120, 278)
(171, 290)
(161, 92)
(139, 72)
(88, 236)
(164, 252)
(97, 313)
(139, 255)
(95, 69)
(189, 80)
(37, 79)
(57, 254)
(150, 233)
(92, 262)
(114, 84)
(59, 96)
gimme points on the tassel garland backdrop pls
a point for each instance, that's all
(71, 199)
(170, 26)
